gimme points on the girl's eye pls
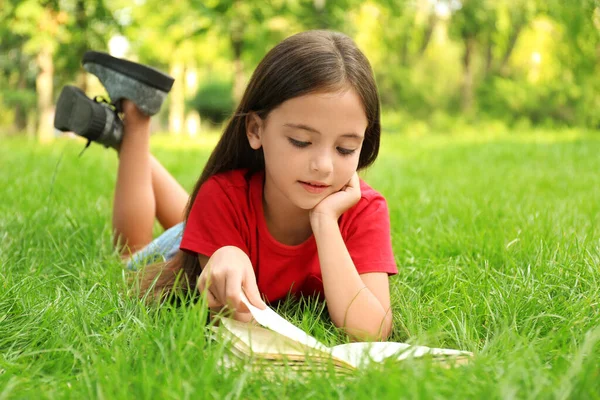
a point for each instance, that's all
(345, 152)
(298, 143)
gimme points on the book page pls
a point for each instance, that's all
(266, 347)
(359, 354)
(270, 319)
(354, 354)
(265, 342)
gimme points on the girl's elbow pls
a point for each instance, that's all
(386, 330)
(378, 332)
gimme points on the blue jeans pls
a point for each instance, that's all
(162, 248)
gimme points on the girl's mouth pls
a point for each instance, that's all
(313, 188)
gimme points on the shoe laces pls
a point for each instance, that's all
(103, 100)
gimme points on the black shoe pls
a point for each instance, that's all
(145, 86)
(95, 120)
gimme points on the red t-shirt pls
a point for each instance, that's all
(228, 211)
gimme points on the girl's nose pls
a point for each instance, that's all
(322, 163)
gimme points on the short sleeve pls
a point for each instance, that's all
(213, 222)
(369, 239)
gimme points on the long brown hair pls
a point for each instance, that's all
(308, 62)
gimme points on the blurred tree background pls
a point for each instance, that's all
(439, 64)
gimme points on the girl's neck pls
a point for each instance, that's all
(287, 223)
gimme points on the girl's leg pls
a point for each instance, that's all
(134, 206)
(171, 198)
(144, 189)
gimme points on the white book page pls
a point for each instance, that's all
(359, 354)
(263, 341)
(355, 354)
(270, 319)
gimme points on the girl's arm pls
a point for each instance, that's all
(358, 303)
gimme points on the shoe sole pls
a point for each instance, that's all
(76, 113)
(142, 73)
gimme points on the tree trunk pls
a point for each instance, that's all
(322, 22)
(238, 83)
(44, 88)
(489, 54)
(177, 99)
(405, 38)
(512, 41)
(428, 33)
(82, 27)
(192, 117)
(82, 79)
(467, 86)
(20, 123)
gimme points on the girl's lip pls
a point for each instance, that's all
(311, 188)
(312, 183)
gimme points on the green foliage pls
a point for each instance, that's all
(19, 98)
(214, 100)
(588, 103)
(529, 60)
(512, 101)
(496, 240)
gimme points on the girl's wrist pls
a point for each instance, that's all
(320, 221)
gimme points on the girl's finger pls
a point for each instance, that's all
(218, 288)
(201, 284)
(212, 300)
(250, 288)
(354, 181)
(233, 288)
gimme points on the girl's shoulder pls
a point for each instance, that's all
(232, 190)
(239, 187)
(237, 178)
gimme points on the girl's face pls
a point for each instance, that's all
(311, 146)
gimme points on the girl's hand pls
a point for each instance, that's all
(334, 205)
(223, 278)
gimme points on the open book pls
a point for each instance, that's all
(279, 343)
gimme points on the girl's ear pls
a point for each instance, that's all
(254, 130)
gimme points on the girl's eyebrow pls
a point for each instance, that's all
(313, 130)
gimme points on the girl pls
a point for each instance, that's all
(279, 206)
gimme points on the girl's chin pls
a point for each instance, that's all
(306, 204)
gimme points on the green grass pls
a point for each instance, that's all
(496, 238)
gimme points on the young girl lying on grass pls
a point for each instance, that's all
(279, 206)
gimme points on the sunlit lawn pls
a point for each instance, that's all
(496, 239)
